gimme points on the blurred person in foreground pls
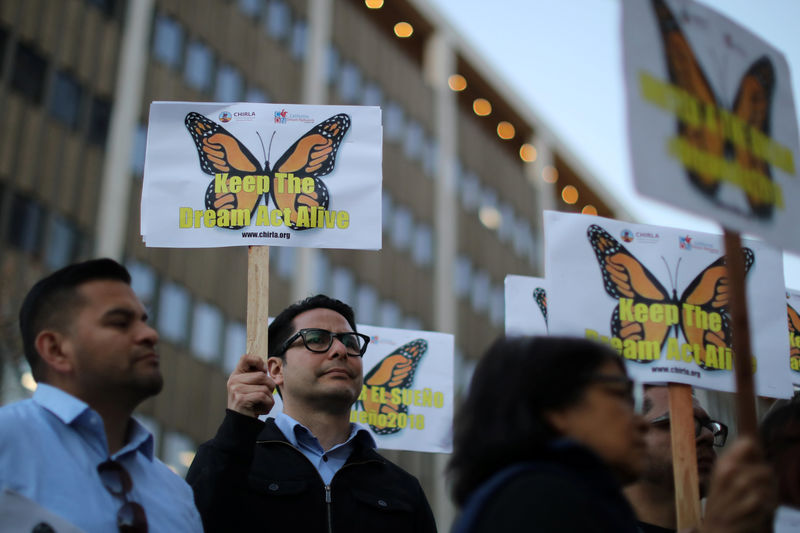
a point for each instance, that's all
(74, 448)
(740, 495)
(546, 438)
(780, 436)
(309, 468)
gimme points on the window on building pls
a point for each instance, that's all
(366, 302)
(390, 314)
(430, 156)
(167, 41)
(99, 119)
(331, 64)
(497, 303)
(372, 95)
(463, 370)
(349, 87)
(299, 40)
(522, 236)
(387, 211)
(278, 20)
(411, 322)
(470, 191)
(422, 251)
(199, 67)
(235, 345)
(178, 451)
(25, 232)
(29, 71)
(286, 261)
(256, 95)
(65, 99)
(206, 332)
(143, 282)
(107, 7)
(507, 224)
(229, 84)
(173, 312)
(320, 272)
(402, 227)
(342, 284)
(413, 140)
(479, 292)
(462, 280)
(139, 150)
(394, 121)
(252, 8)
(62, 242)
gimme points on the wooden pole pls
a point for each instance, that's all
(257, 300)
(684, 455)
(742, 362)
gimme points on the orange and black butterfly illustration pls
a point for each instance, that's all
(540, 296)
(395, 371)
(624, 276)
(794, 333)
(752, 104)
(312, 155)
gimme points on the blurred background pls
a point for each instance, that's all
(469, 164)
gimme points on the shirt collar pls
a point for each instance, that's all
(70, 410)
(294, 430)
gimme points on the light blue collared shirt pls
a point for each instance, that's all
(328, 462)
(50, 446)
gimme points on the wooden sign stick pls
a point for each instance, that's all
(684, 455)
(257, 300)
(742, 363)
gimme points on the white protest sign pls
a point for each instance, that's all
(526, 305)
(262, 174)
(711, 119)
(793, 314)
(407, 398)
(660, 297)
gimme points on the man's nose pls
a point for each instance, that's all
(337, 348)
(705, 436)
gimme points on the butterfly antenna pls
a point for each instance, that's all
(671, 282)
(269, 151)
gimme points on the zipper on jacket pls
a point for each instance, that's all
(328, 507)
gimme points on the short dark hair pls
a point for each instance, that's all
(52, 301)
(502, 419)
(282, 328)
(780, 437)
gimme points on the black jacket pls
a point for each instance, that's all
(250, 478)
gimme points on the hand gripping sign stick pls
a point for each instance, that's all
(257, 300)
(684, 448)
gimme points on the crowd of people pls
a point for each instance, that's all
(547, 438)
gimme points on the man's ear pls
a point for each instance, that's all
(559, 420)
(55, 350)
(275, 369)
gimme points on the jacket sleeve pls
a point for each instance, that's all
(218, 475)
(425, 522)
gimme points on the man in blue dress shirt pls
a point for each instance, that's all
(74, 448)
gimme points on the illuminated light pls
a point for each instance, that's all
(374, 4)
(589, 210)
(550, 174)
(527, 152)
(482, 107)
(186, 458)
(457, 82)
(490, 217)
(403, 29)
(569, 194)
(27, 381)
(505, 130)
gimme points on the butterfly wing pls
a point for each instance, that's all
(219, 153)
(685, 72)
(540, 296)
(312, 155)
(709, 292)
(753, 104)
(794, 332)
(625, 277)
(395, 371)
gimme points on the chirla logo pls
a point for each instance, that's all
(685, 243)
(280, 117)
(626, 235)
(225, 116)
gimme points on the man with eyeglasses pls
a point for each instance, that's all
(310, 468)
(738, 488)
(74, 449)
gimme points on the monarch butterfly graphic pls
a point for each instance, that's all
(624, 276)
(540, 296)
(752, 104)
(794, 337)
(393, 372)
(312, 155)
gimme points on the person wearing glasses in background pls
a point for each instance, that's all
(739, 490)
(74, 448)
(310, 468)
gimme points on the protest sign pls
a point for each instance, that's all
(205, 187)
(711, 118)
(792, 308)
(526, 305)
(659, 296)
(407, 399)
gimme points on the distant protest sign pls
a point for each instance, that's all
(659, 296)
(526, 305)
(793, 314)
(262, 174)
(711, 118)
(407, 400)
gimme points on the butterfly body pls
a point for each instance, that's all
(646, 312)
(294, 182)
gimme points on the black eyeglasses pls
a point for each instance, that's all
(320, 340)
(626, 384)
(131, 517)
(718, 429)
